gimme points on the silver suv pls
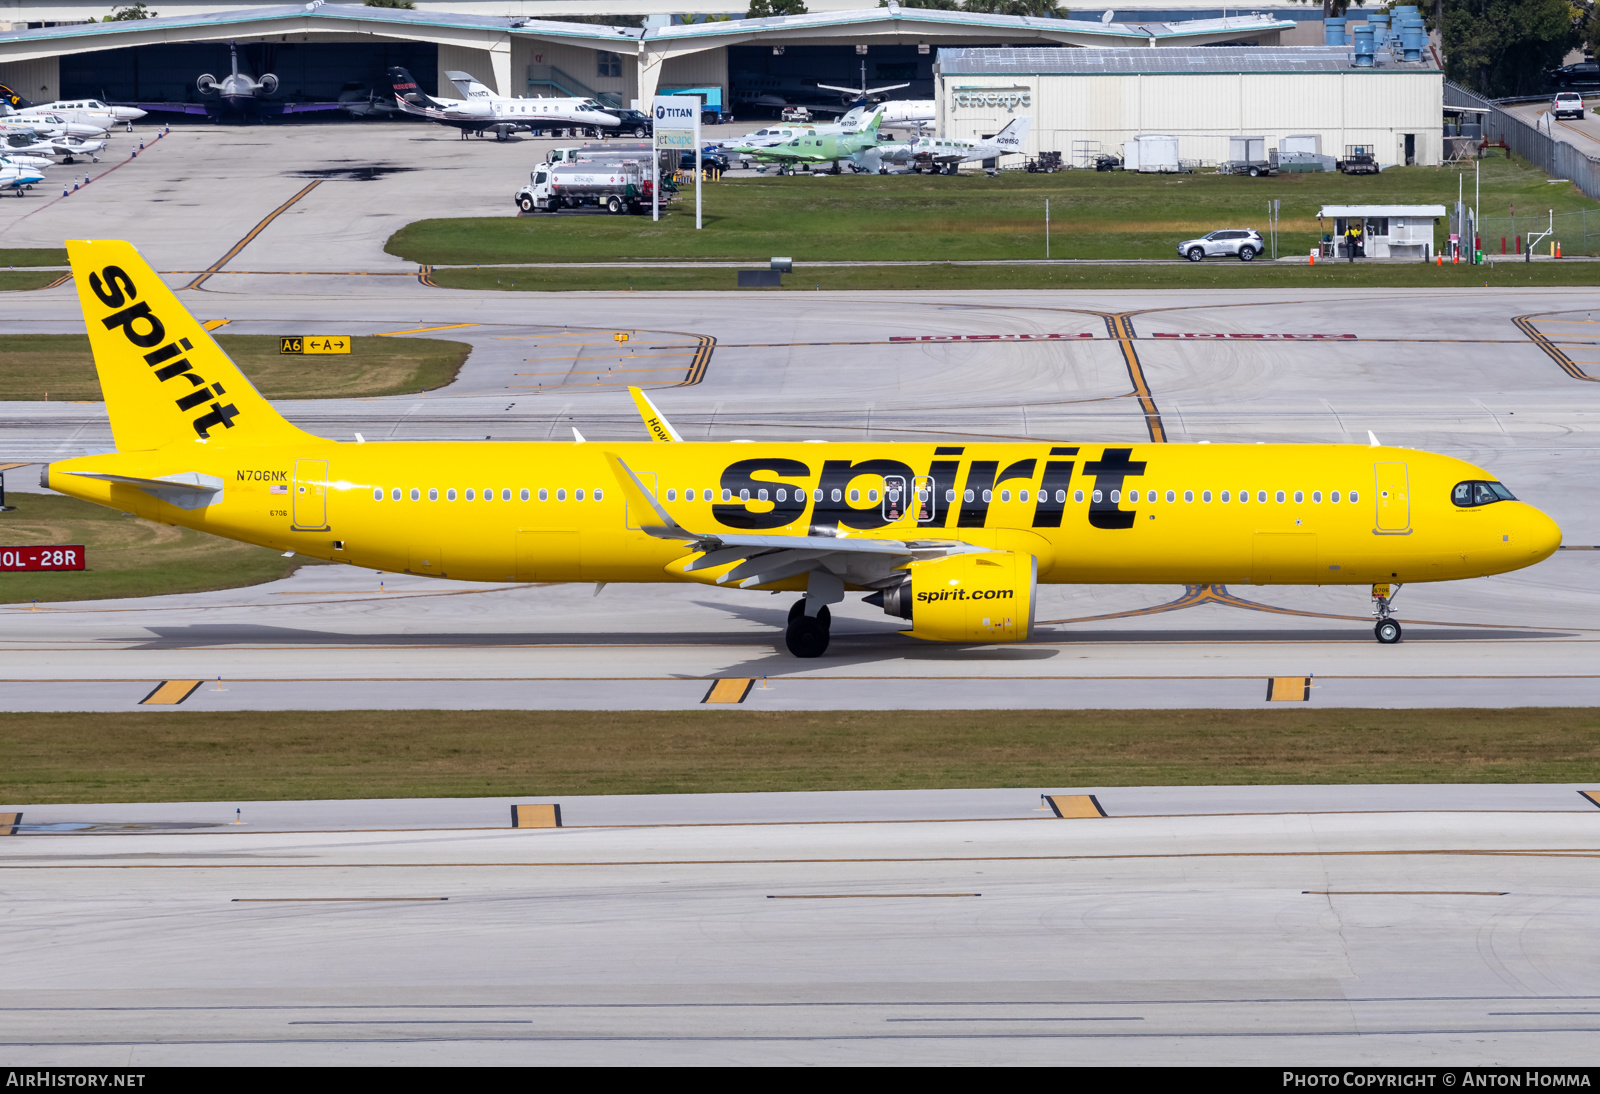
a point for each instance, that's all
(1246, 243)
(1567, 104)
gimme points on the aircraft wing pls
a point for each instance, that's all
(171, 108)
(765, 559)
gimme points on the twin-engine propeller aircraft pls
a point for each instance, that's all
(954, 538)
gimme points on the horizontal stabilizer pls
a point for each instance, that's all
(186, 490)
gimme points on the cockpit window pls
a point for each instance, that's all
(1469, 494)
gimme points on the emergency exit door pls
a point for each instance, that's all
(1392, 495)
(310, 501)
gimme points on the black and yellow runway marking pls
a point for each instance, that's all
(1552, 349)
(250, 236)
(732, 690)
(536, 816)
(169, 693)
(1121, 327)
(9, 823)
(1288, 689)
(1592, 795)
(1074, 806)
(608, 368)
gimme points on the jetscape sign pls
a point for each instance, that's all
(1008, 98)
(677, 121)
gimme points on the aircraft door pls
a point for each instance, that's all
(895, 498)
(310, 500)
(635, 521)
(927, 501)
(1392, 496)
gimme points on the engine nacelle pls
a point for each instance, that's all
(967, 598)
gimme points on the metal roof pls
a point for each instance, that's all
(398, 18)
(892, 19)
(913, 19)
(1381, 211)
(1036, 61)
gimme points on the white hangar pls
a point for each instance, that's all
(1098, 99)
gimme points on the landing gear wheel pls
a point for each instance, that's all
(807, 636)
(1388, 631)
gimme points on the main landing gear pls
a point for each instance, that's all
(1387, 629)
(806, 635)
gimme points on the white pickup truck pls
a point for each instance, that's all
(615, 187)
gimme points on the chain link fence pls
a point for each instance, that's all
(1578, 233)
(1558, 159)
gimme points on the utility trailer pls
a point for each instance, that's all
(1249, 156)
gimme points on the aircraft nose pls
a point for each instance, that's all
(1543, 535)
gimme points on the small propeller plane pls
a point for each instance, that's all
(947, 154)
(814, 147)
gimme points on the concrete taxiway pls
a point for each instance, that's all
(1251, 925)
(1504, 378)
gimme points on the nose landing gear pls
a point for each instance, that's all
(1387, 629)
(807, 636)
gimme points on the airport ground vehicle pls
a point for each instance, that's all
(1567, 104)
(795, 114)
(1359, 162)
(634, 122)
(955, 538)
(616, 187)
(1244, 242)
(1585, 73)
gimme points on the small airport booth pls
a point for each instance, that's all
(1380, 231)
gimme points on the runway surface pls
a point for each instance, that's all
(1252, 925)
(1504, 378)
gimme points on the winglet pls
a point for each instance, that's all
(643, 502)
(656, 422)
(1373, 439)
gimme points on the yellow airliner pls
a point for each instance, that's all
(953, 537)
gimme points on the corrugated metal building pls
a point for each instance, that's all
(1097, 99)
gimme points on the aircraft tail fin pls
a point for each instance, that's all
(15, 101)
(468, 85)
(406, 89)
(163, 377)
(1011, 138)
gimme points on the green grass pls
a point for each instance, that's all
(1093, 215)
(60, 366)
(33, 256)
(126, 556)
(1217, 274)
(187, 755)
(27, 280)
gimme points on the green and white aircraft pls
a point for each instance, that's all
(816, 148)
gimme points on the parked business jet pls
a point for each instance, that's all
(915, 114)
(481, 110)
(953, 537)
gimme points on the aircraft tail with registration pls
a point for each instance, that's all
(953, 537)
(164, 378)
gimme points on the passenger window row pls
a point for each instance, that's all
(488, 494)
